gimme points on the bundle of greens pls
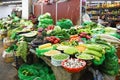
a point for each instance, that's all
(65, 23)
(22, 50)
(45, 20)
(62, 34)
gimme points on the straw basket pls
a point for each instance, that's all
(7, 42)
(8, 56)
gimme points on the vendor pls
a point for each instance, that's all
(85, 16)
(101, 20)
(32, 17)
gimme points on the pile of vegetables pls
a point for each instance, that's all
(22, 50)
(64, 23)
(44, 48)
(109, 38)
(45, 20)
(39, 40)
(97, 51)
(62, 34)
(60, 57)
(53, 39)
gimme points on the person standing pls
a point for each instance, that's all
(102, 20)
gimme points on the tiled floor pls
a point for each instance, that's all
(7, 71)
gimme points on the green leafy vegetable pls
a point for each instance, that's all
(65, 23)
(22, 50)
(60, 56)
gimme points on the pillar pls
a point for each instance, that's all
(26, 8)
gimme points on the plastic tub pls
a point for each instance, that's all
(57, 62)
(74, 70)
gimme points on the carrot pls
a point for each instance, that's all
(74, 36)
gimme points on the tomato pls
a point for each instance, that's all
(56, 41)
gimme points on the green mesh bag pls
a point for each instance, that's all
(39, 71)
(97, 63)
(110, 65)
(27, 72)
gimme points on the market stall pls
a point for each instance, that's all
(68, 50)
(65, 48)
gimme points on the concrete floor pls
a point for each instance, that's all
(7, 71)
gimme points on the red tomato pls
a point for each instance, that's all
(56, 41)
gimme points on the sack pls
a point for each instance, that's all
(8, 56)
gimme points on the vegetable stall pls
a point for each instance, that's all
(68, 50)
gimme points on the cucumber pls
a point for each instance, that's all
(95, 47)
(96, 58)
(92, 52)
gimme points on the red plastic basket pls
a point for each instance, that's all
(73, 70)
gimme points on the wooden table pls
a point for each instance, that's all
(60, 73)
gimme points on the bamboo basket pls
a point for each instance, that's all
(8, 56)
(7, 42)
(9, 59)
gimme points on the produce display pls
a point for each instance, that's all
(62, 41)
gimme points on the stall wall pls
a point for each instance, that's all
(69, 9)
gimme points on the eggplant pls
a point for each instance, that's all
(34, 46)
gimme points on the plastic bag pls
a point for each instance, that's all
(65, 23)
(110, 65)
(86, 18)
(27, 72)
(39, 72)
(97, 63)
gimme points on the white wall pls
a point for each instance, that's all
(5, 10)
(25, 9)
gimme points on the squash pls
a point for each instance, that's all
(81, 48)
